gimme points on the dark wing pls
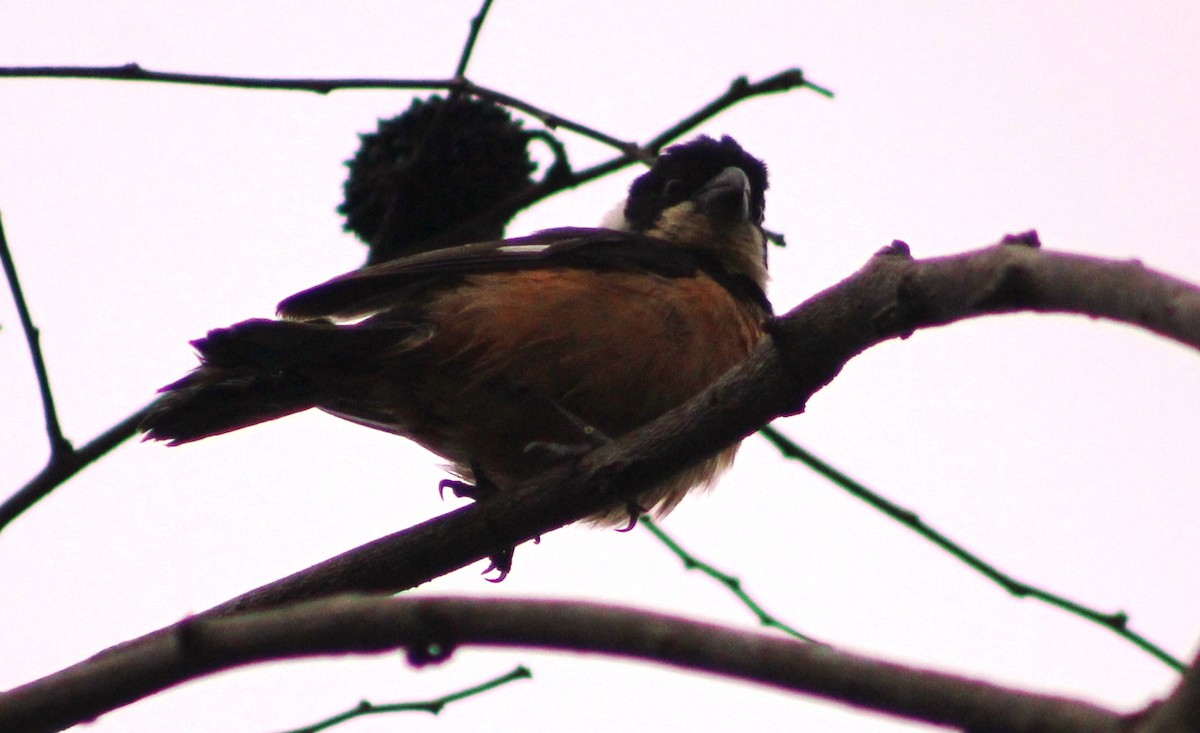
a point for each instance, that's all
(371, 289)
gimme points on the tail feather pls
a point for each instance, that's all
(211, 401)
(260, 370)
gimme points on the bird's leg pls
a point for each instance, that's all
(549, 451)
(481, 490)
(592, 438)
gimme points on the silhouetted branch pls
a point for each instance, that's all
(63, 466)
(733, 584)
(890, 297)
(431, 629)
(464, 58)
(58, 443)
(1117, 622)
(740, 90)
(65, 460)
(365, 708)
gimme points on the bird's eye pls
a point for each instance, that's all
(673, 190)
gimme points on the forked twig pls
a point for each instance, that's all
(59, 445)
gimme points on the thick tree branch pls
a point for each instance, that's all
(889, 298)
(892, 296)
(430, 629)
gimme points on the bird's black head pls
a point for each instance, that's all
(706, 196)
(684, 171)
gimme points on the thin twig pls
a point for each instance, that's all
(426, 706)
(135, 72)
(59, 445)
(549, 119)
(476, 25)
(632, 153)
(65, 460)
(691, 562)
(1117, 622)
(739, 90)
(66, 465)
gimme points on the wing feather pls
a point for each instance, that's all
(373, 289)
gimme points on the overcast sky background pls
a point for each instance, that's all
(1064, 450)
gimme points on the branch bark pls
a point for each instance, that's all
(430, 629)
(892, 296)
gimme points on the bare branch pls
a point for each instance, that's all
(65, 461)
(1117, 622)
(430, 629)
(738, 91)
(58, 443)
(65, 465)
(135, 72)
(733, 584)
(460, 71)
(890, 297)
(365, 707)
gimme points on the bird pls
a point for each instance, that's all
(493, 354)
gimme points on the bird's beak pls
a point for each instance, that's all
(726, 196)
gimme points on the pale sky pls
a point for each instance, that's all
(1058, 448)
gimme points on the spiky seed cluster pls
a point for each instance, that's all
(437, 166)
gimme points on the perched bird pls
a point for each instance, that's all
(480, 351)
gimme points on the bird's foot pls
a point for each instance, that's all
(501, 564)
(635, 513)
(553, 452)
(461, 489)
(481, 489)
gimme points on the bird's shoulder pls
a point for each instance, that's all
(364, 291)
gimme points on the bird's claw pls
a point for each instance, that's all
(635, 513)
(460, 489)
(501, 562)
(481, 489)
